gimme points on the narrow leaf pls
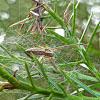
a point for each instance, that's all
(59, 20)
(84, 77)
(56, 17)
(94, 32)
(7, 51)
(59, 37)
(90, 65)
(79, 83)
(43, 72)
(55, 11)
(69, 80)
(74, 16)
(84, 32)
(25, 52)
(29, 76)
(17, 76)
(72, 13)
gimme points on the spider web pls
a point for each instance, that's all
(17, 11)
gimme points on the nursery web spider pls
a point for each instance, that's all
(48, 52)
(45, 52)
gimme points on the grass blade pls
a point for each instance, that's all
(64, 91)
(55, 11)
(41, 18)
(78, 82)
(29, 76)
(25, 52)
(69, 80)
(59, 20)
(7, 51)
(4, 59)
(64, 62)
(91, 66)
(50, 97)
(93, 86)
(28, 96)
(84, 32)
(72, 13)
(94, 32)
(50, 80)
(43, 72)
(74, 16)
(59, 37)
(11, 72)
(84, 77)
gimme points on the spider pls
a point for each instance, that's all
(45, 52)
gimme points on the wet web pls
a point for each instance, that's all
(12, 37)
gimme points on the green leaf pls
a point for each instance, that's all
(36, 96)
(28, 96)
(64, 62)
(74, 16)
(59, 37)
(64, 91)
(50, 80)
(29, 76)
(84, 32)
(84, 77)
(59, 20)
(11, 72)
(93, 86)
(56, 17)
(7, 51)
(72, 13)
(25, 52)
(42, 70)
(70, 81)
(50, 97)
(4, 59)
(55, 11)
(90, 65)
(78, 82)
(30, 21)
(40, 18)
(94, 32)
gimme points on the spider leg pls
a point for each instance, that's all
(51, 61)
(32, 67)
(43, 60)
(40, 58)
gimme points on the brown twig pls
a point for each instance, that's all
(66, 12)
(41, 5)
(26, 19)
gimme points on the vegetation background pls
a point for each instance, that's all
(12, 11)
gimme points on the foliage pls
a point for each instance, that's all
(54, 90)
